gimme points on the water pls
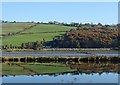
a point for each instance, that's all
(85, 74)
(66, 78)
(80, 73)
(63, 53)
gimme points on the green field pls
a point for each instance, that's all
(37, 33)
(18, 39)
(48, 28)
(14, 27)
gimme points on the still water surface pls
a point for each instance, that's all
(66, 78)
(63, 53)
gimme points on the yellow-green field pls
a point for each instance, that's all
(36, 33)
(14, 27)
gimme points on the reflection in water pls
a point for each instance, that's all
(47, 59)
(100, 68)
(60, 72)
(64, 68)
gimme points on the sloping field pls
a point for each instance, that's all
(18, 39)
(14, 27)
(48, 28)
(36, 33)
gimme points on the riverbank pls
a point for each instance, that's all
(60, 49)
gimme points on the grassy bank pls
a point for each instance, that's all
(14, 27)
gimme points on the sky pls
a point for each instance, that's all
(60, 0)
(82, 12)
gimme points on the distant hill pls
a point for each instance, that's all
(36, 35)
(21, 32)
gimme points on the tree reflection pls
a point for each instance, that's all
(76, 67)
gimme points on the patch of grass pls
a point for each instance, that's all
(48, 28)
(14, 27)
(38, 32)
(19, 39)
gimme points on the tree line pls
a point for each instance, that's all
(87, 38)
(37, 45)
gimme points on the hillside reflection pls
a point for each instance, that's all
(55, 69)
(100, 68)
